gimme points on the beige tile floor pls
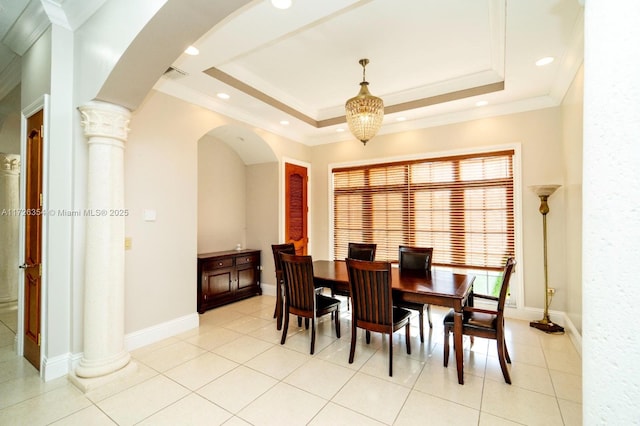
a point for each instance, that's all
(232, 370)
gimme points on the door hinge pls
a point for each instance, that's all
(40, 269)
(38, 339)
(41, 131)
(41, 199)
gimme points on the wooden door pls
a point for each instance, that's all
(33, 239)
(296, 209)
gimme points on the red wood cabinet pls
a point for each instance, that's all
(227, 276)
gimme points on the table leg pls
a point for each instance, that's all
(457, 345)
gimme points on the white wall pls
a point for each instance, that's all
(237, 203)
(10, 122)
(59, 145)
(262, 214)
(540, 135)
(222, 197)
(36, 70)
(611, 222)
(100, 43)
(573, 144)
(161, 174)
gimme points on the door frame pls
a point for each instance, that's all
(281, 203)
(42, 103)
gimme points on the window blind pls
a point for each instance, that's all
(462, 206)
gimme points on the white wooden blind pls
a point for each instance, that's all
(462, 206)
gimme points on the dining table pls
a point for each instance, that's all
(438, 287)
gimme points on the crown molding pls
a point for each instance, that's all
(32, 22)
(71, 14)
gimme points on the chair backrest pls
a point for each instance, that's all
(298, 281)
(504, 286)
(362, 251)
(370, 290)
(415, 259)
(288, 248)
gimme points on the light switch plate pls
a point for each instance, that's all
(149, 215)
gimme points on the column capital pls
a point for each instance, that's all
(103, 119)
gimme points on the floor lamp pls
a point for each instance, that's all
(545, 324)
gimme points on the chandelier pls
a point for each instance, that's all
(364, 112)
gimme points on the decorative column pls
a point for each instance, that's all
(106, 127)
(9, 222)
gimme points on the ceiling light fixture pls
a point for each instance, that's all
(364, 112)
(544, 61)
(223, 95)
(281, 4)
(482, 103)
(192, 51)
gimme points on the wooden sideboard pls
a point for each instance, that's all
(227, 276)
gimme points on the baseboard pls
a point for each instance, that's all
(59, 366)
(574, 334)
(155, 333)
(558, 317)
(268, 289)
(64, 364)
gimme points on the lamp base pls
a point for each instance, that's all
(547, 326)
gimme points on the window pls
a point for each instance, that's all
(462, 206)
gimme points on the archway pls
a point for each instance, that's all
(238, 193)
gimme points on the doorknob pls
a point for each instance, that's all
(27, 265)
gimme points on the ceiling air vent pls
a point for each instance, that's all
(174, 73)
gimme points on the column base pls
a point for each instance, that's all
(547, 326)
(95, 368)
(89, 384)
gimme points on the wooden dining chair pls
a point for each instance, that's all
(484, 322)
(301, 297)
(416, 261)
(358, 251)
(361, 251)
(372, 304)
(288, 248)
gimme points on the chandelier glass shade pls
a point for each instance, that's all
(364, 112)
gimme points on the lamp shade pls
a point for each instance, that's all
(544, 190)
(364, 112)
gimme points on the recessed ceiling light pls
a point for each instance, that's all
(339, 129)
(544, 61)
(284, 122)
(192, 50)
(281, 4)
(223, 95)
(401, 118)
(482, 103)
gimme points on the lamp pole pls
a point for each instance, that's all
(545, 324)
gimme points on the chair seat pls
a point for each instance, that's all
(412, 305)
(400, 314)
(475, 320)
(324, 303)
